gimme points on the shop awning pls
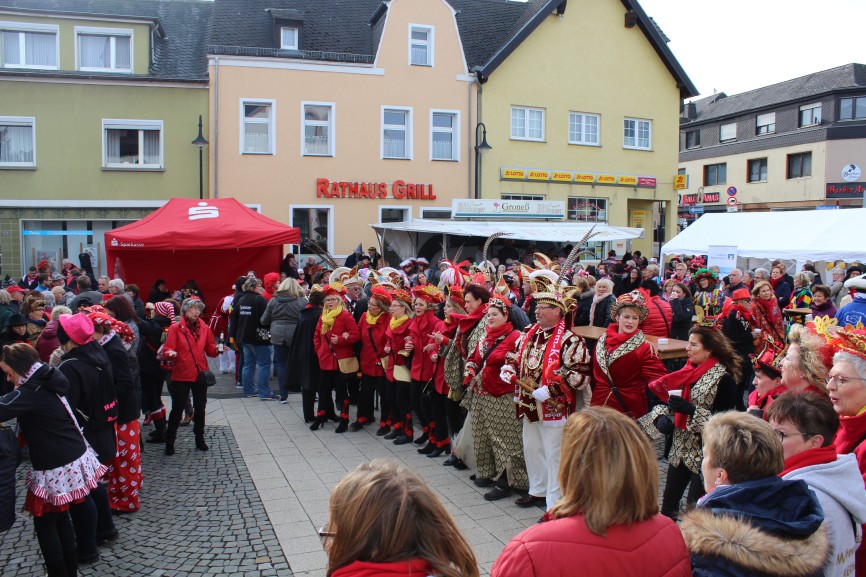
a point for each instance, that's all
(519, 230)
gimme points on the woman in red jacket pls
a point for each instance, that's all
(440, 344)
(399, 348)
(333, 340)
(423, 367)
(607, 522)
(624, 363)
(496, 433)
(372, 326)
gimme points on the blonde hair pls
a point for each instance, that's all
(605, 282)
(383, 512)
(291, 286)
(608, 472)
(811, 356)
(745, 447)
(756, 289)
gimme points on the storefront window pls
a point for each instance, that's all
(587, 209)
(314, 223)
(55, 240)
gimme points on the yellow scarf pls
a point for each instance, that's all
(328, 318)
(396, 322)
(372, 320)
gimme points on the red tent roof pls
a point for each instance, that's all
(190, 224)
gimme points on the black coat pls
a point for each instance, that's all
(739, 333)
(783, 293)
(245, 318)
(303, 360)
(682, 311)
(151, 339)
(601, 318)
(584, 303)
(127, 383)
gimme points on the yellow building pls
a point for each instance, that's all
(581, 105)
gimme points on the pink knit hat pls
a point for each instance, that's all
(79, 327)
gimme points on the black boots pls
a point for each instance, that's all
(500, 491)
(318, 421)
(428, 448)
(199, 442)
(158, 434)
(344, 418)
(170, 436)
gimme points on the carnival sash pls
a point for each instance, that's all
(552, 356)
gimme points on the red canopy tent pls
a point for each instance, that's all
(210, 241)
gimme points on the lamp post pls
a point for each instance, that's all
(201, 142)
(479, 148)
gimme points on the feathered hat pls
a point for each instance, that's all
(402, 296)
(347, 276)
(428, 293)
(455, 293)
(381, 294)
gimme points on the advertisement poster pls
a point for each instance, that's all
(724, 257)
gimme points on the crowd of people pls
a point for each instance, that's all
(482, 365)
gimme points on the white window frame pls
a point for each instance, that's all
(330, 208)
(525, 127)
(331, 124)
(430, 43)
(583, 141)
(587, 199)
(518, 196)
(283, 45)
(454, 131)
(113, 33)
(728, 126)
(271, 122)
(447, 209)
(140, 125)
(406, 208)
(32, 27)
(766, 116)
(806, 107)
(21, 121)
(382, 127)
(637, 122)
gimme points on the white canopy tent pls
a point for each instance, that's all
(816, 235)
(402, 236)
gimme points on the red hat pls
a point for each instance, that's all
(455, 293)
(15, 289)
(101, 319)
(335, 288)
(79, 327)
(402, 296)
(164, 309)
(741, 294)
(770, 359)
(428, 293)
(379, 293)
(636, 299)
(849, 340)
(93, 309)
(503, 304)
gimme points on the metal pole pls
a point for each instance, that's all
(200, 176)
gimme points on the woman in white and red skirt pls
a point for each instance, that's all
(65, 468)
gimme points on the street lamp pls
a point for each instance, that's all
(201, 142)
(479, 148)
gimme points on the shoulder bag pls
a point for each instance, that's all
(347, 366)
(206, 378)
(383, 361)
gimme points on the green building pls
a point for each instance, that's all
(99, 104)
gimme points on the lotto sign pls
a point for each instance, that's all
(732, 201)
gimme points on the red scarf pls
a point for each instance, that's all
(763, 401)
(616, 338)
(413, 568)
(682, 380)
(731, 307)
(493, 334)
(817, 456)
(466, 323)
(775, 281)
(527, 304)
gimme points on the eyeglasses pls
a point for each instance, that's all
(840, 381)
(783, 435)
(544, 308)
(325, 534)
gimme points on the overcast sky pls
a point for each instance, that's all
(737, 45)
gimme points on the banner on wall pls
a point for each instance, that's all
(724, 257)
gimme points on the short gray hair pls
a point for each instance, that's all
(5, 297)
(117, 283)
(838, 270)
(605, 282)
(191, 302)
(60, 310)
(765, 274)
(251, 284)
(858, 362)
(49, 299)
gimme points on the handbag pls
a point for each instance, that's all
(263, 336)
(402, 374)
(348, 366)
(206, 377)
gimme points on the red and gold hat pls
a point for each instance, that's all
(335, 288)
(381, 294)
(849, 340)
(769, 360)
(428, 293)
(498, 302)
(402, 296)
(635, 299)
(455, 293)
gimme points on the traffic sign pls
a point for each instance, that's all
(696, 210)
(732, 190)
(733, 209)
(732, 201)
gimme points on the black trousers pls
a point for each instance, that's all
(308, 402)
(456, 415)
(151, 391)
(180, 391)
(331, 382)
(439, 411)
(56, 538)
(403, 407)
(391, 416)
(420, 404)
(366, 397)
(678, 479)
(383, 386)
(353, 388)
(744, 382)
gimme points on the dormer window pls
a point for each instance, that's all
(288, 38)
(103, 49)
(420, 45)
(24, 45)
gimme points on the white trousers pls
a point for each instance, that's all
(541, 447)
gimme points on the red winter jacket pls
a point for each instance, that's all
(397, 342)
(328, 355)
(421, 329)
(851, 430)
(185, 368)
(651, 548)
(490, 380)
(371, 354)
(447, 330)
(658, 321)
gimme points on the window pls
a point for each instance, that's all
(17, 141)
(800, 165)
(587, 209)
(395, 213)
(316, 223)
(28, 45)
(444, 135)
(728, 132)
(521, 196)
(765, 123)
(852, 108)
(436, 213)
(257, 126)
(397, 133)
(637, 134)
(527, 123)
(583, 128)
(757, 170)
(420, 45)
(104, 49)
(318, 129)
(810, 115)
(288, 38)
(132, 144)
(715, 174)
(693, 138)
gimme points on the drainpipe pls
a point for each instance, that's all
(477, 192)
(469, 138)
(216, 128)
